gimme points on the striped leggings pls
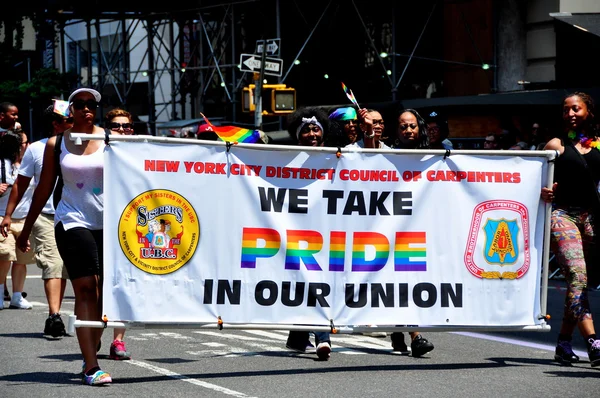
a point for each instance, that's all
(572, 241)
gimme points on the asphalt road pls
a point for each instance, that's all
(255, 363)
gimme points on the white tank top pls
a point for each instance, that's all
(82, 199)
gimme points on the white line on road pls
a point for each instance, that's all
(177, 376)
(521, 343)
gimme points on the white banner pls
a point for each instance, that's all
(194, 232)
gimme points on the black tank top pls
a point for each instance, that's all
(574, 187)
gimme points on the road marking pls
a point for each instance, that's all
(177, 376)
(545, 347)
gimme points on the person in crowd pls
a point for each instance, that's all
(78, 220)
(437, 130)
(378, 130)
(9, 114)
(491, 141)
(119, 121)
(575, 203)
(309, 127)
(411, 134)
(540, 135)
(12, 147)
(54, 274)
(520, 141)
(344, 128)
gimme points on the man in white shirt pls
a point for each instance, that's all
(47, 257)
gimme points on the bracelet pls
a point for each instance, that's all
(370, 136)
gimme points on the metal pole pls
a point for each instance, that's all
(258, 88)
(234, 69)
(278, 28)
(30, 107)
(172, 71)
(151, 72)
(416, 45)
(394, 88)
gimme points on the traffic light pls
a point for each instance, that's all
(282, 99)
(248, 104)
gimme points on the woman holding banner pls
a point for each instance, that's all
(78, 220)
(309, 127)
(575, 208)
(411, 134)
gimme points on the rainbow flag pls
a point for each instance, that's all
(235, 134)
(61, 107)
(350, 95)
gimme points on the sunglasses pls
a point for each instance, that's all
(405, 126)
(125, 126)
(68, 120)
(81, 104)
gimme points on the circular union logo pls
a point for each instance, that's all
(159, 231)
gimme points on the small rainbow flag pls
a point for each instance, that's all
(234, 134)
(350, 95)
(61, 107)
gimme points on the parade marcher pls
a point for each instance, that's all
(12, 147)
(78, 220)
(575, 207)
(411, 134)
(309, 127)
(54, 274)
(9, 114)
(119, 121)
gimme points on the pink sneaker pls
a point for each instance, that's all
(118, 351)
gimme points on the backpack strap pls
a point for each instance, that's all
(3, 171)
(57, 193)
(57, 152)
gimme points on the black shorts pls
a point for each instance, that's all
(81, 250)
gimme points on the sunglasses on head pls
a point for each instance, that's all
(405, 126)
(125, 126)
(81, 104)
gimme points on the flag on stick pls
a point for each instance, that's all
(234, 134)
(350, 95)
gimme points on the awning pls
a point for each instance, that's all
(589, 22)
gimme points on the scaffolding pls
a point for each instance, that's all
(187, 60)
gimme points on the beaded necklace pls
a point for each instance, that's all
(585, 141)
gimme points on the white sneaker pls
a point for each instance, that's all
(324, 351)
(20, 303)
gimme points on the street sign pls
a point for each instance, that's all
(252, 62)
(272, 46)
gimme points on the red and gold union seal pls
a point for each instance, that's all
(159, 231)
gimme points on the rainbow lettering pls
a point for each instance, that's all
(294, 254)
(302, 245)
(250, 249)
(382, 251)
(405, 249)
(337, 250)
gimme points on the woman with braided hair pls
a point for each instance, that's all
(575, 205)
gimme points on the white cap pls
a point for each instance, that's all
(96, 94)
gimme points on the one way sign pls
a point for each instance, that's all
(272, 46)
(252, 62)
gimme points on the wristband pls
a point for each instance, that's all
(370, 135)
